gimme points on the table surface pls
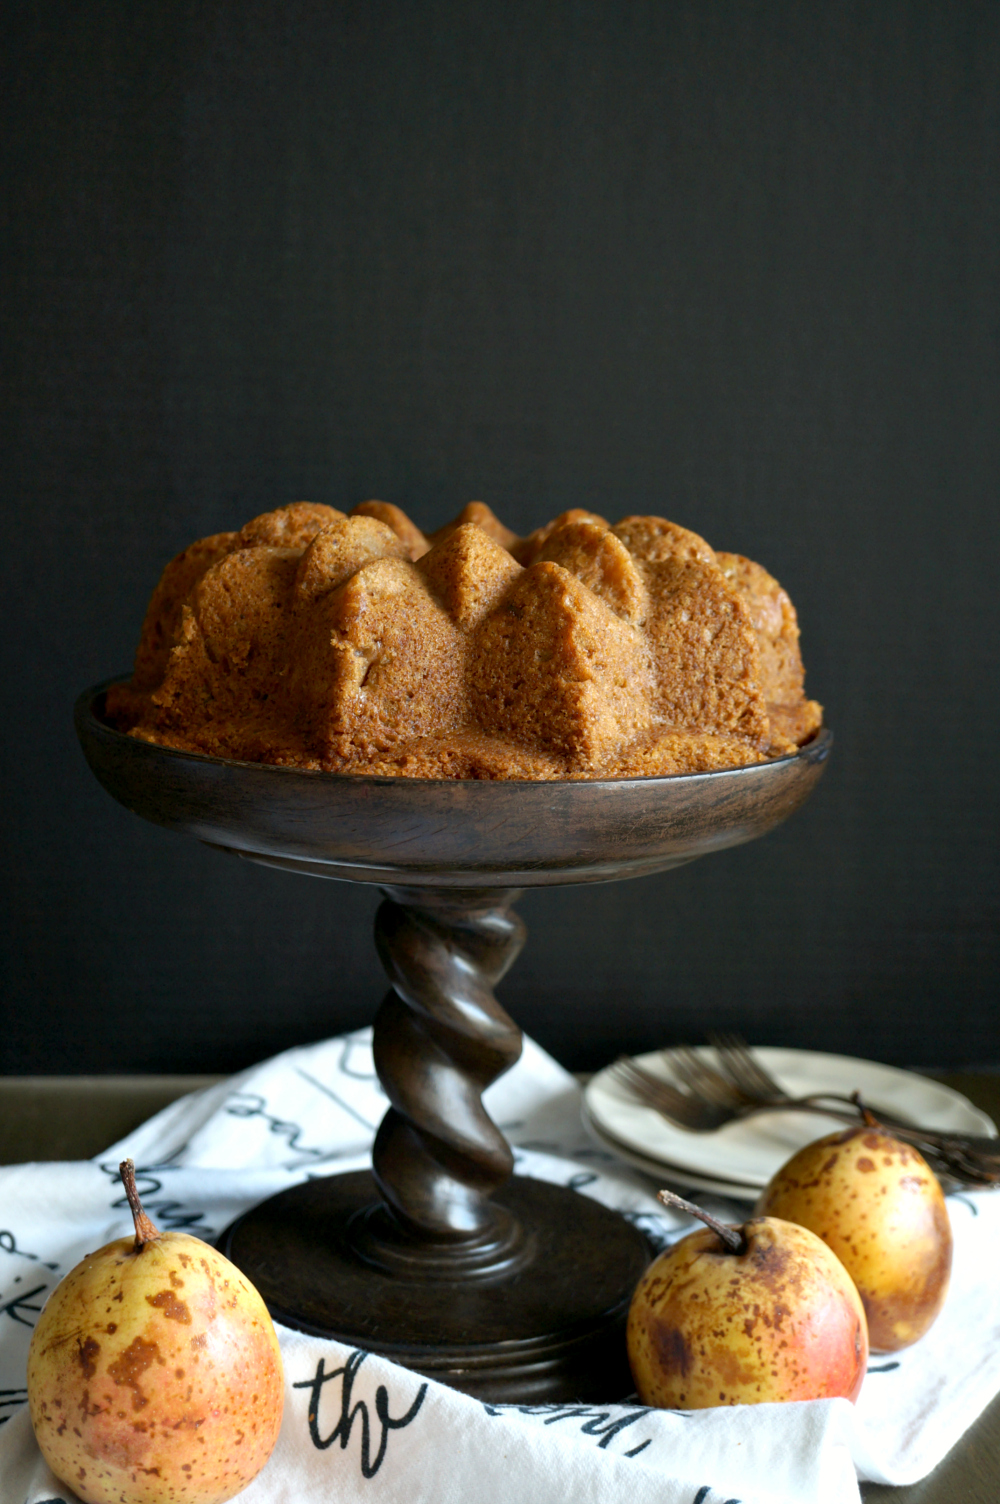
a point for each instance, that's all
(75, 1117)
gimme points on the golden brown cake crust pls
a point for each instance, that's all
(705, 652)
(552, 667)
(527, 550)
(340, 550)
(394, 517)
(478, 512)
(793, 719)
(288, 527)
(163, 618)
(590, 551)
(356, 644)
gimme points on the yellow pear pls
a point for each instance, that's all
(877, 1203)
(743, 1316)
(154, 1373)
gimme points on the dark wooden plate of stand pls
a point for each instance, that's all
(508, 1288)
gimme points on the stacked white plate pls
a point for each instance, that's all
(740, 1158)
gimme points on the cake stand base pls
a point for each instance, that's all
(540, 1321)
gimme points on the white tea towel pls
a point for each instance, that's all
(357, 1427)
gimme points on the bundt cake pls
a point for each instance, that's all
(355, 644)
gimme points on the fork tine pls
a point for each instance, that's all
(631, 1072)
(681, 1064)
(680, 1109)
(654, 1088)
(739, 1061)
(701, 1078)
(729, 1059)
(752, 1064)
(712, 1080)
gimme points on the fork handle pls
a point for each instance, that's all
(969, 1151)
(979, 1144)
(887, 1119)
(847, 1111)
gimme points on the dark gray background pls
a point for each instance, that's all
(735, 263)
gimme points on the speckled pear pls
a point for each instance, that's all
(154, 1373)
(744, 1316)
(877, 1203)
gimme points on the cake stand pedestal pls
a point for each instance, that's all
(509, 1288)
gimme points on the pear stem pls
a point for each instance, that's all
(732, 1238)
(145, 1231)
(871, 1121)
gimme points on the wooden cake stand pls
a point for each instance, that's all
(509, 1288)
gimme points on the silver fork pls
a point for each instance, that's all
(705, 1082)
(964, 1158)
(710, 1101)
(964, 1154)
(694, 1114)
(754, 1084)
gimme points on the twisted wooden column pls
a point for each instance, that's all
(507, 1287)
(440, 1039)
